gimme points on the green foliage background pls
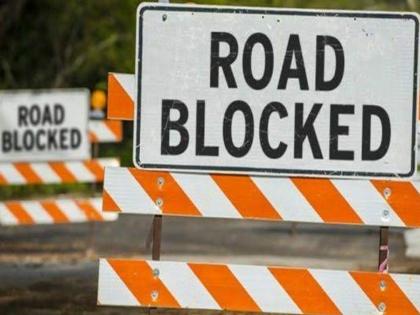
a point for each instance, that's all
(75, 43)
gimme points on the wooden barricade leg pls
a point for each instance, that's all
(92, 224)
(156, 236)
(383, 261)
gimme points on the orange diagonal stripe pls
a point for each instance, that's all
(394, 299)
(3, 180)
(19, 212)
(138, 277)
(120, 105)
(108, 203)
(404, 200)
(174, 200)
(61, 170)
(55, 212)
(89, 210)
(305, 291)
(28, 173)
(95, 168)
(93, 137)
(326, 200)
(224, 287)
(246, 197)
(115, 126)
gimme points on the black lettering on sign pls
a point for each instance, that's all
(22, 116)
(238, 106)
(216, 61)
(273, 153)
(40, 144)
(305, 130)
(63, 138)
(336, 130)
(28, 140)
(52, 139)
(320, 83)
(369, 154)
(16, 146)
(258, 38)
(47, 117)
(59, 114)
(75, 138)
(177, 125)
(200, 147)
(293, 49)
(34, 115)
(6, 141)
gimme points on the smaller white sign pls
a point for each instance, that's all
(44, 125)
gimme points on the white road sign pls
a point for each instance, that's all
(276, 91)
(44, 125)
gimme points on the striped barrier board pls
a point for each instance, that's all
(54, 211)
(101, 131)
(255, 288)
(121, 94)
(24, 173)
(338, 201)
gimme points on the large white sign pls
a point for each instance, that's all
(44, 125)
(264, 91)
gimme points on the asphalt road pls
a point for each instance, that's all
(53, 269)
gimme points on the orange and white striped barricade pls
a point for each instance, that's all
(26, 173)
(53, 211)
(105, 131)
(257, 288)
(180, 285)
(338, 201)
(121, 94)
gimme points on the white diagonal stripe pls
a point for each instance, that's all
(410, 285)
(184, 285)
(11, 174)
(127, 192)
(128, 82)
(287, 199)
(80, 171)
(6, 217)
(264, 289)
(71, 210)
(367, 202)
(206, 195)
(344, 292)
(111, 289)
(37, 212)
(45, 172)
(101, 131)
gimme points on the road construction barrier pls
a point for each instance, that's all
(53, 211)
(338, 201)
(190, 285)
(105, 131)
(181, 285)
(121, 91)
(26, 173)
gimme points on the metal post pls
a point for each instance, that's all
(92, 224)
(383, 250)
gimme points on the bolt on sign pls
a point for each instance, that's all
(44, 125)
(276, 91)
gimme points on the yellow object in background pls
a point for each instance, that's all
(98, 100)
